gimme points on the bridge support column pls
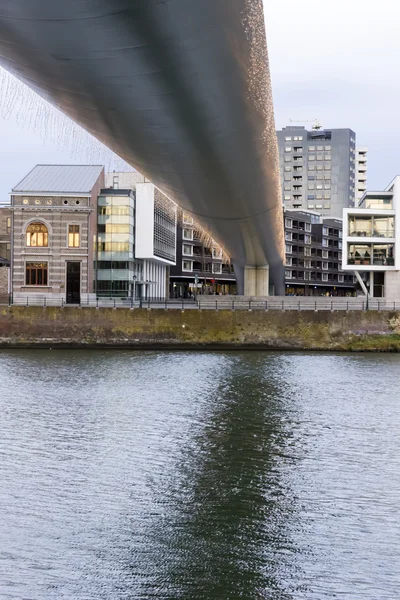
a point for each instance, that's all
(256, 281)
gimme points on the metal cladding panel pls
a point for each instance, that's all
(180, 89)
(144, 221)
(57, 179)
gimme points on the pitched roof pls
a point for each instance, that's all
(56, 179)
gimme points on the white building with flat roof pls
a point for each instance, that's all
(371, 242)
(142, 238)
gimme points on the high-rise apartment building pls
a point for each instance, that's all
(318, 170)
(361, 174)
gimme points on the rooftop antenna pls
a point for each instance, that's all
(316, 122)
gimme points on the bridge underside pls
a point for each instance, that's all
(180, 89)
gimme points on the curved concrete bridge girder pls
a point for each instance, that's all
(180, 89)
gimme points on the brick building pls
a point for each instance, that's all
(54, 223)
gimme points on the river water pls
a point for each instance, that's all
(240, 475)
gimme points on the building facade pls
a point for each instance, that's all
(136, 238)
(318, 170)
(314, 256)
(5, 249)
(361, 173)
(53, 229)
(201, 266)
(371, 237)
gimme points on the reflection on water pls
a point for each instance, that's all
(199, 476)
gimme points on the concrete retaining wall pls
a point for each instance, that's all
(50, 327)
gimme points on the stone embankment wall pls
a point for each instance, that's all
(290, 330)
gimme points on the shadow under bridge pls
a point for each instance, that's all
(180, 89)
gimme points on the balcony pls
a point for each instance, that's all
(384, 233)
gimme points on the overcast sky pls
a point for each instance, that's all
(337, 60)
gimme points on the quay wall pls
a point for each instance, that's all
(270, 330)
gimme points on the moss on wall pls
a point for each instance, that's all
(353, 330)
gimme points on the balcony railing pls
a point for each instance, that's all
(375, 261)
(388, 233)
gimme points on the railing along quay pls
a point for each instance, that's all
(274, 303)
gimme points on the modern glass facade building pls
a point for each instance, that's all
(114, 263)
(136, 239)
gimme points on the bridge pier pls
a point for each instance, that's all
(256, 281)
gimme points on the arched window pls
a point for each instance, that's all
(37, 235)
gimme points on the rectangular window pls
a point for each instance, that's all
(8, 224)
(288, 223)
(217, 252)
(341, 278)
(324, 253)
(311, 197)
(311, 157)
(287, 159)
(288, 236)
(307, 226)
(324, 276)
(288, 249)
(311, 148)
(289, 261)
(36, 273)
(307, 239)
(187, 265)
(319, 148)
(287, 169)
(187, 250)
(73, 236)
(115, 182)
(298, 138)
(114, 228)
(310, 206)
(113, 246)
(307, 251)
(318, 206)
(325, 265)
(187, 234)
(288, 148)
(187, 220)
(287, 198)
(217, 268)
(288, 139)
(288, 274)
(311, 167)
(287, 187)
(121, 211)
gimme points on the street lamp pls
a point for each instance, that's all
(134, 287)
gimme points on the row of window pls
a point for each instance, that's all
(296, 138)
(307, 264)
(306, 275)
(289, 237)
(187, 250)
(187, 265)
(307, 252)
(37, 236)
